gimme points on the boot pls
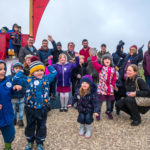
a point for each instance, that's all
(135, 123)
(7, 146)
(88, 131)
(20, 123)
(29, 146)
(82, 129)
(109, 115)
(40, 147)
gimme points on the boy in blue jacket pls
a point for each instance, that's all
(6, 109)
(36, 101)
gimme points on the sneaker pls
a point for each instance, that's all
(65, 109)
(20, 123)
(29, 146)
(88, 131)
(40, 147)
(61, 110)
(15, 121)
(109, 115)
(82, 129)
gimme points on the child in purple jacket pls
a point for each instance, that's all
(64, 68)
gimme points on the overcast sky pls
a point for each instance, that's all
(99, 21)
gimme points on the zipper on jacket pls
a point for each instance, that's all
(63, 74)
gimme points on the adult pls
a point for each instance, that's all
(28, 49)
(85, 50)
(44, 52)
(128, 103)
(70, 53)
(102, 52)
(57, 52)
(133, 57)
(146, 65)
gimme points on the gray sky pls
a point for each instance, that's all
(99, 21)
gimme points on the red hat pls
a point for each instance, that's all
(133, 46)
(35, 58)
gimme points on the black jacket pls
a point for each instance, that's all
(56, 55)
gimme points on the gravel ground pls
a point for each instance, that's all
(117, 134)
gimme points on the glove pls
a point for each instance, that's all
(46, 62)
(121, 43)
(141, 47)
(94, 51)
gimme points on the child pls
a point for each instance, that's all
(6, 109)
(87, 103)
(26, 64)
(18, 97)
(36, 101)
(107, 80)
(64, 69)
(77, 73)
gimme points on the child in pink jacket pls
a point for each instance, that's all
(107, 80)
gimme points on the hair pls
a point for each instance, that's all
(30, 37)
(71, 43)
(83, 92)
(103, 45)
(84, 40)
(61, 56)
(44, 40)
(134, 67)
(81, 57)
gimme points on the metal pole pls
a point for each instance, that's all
(31, 18)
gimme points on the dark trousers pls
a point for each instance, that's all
(16, 49)
(53, 88)
(108, 106)
(36, 124)
(85, 118)
(129, 106)
(8, 133)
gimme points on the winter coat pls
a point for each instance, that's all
(100, 55)
(89, 103)
(146, 63)
(85, 53)
(107, 78)
(6, 113)
(44, 54)
(135, 59)
(37, 90)
(56, 55)
(64, 72)
(91, 70)
(26, 51)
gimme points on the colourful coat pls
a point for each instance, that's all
(37, 90)
(107, 78)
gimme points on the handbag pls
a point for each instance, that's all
(141, 101)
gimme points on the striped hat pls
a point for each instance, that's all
(36, 65)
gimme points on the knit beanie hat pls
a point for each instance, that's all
(2, 62)
(35, 58)
(86, 78)
(107, 56)
(58, 44)
(13, 65)
(133, 47)
(36, 65)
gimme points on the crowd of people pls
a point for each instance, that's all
(91, 77)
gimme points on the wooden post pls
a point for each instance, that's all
(31, 18)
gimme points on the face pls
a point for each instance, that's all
(85, 86)
(122, 49)
(45, 44)
(107, 62)
(30, 42)
(71, 47)
(132, 51)
(28, 61)
(103, 49)
(59, 47)
(2, 71)
(81, 61)
(130, 72)
(3, 31)
(17, 69)
(148, 45)
(38, 74)
(62, 59)
(16, 28)
(85, 44)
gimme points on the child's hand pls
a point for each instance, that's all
(96, 114)
(50, 57)
(132, 94)
(78, 76)
(116, 88)
(69, 105)
(76, 54)
(17, 87)
(0, 106)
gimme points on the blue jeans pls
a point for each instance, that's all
(85, 118)
(21, 107)
(147, 80)
(8, 133)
